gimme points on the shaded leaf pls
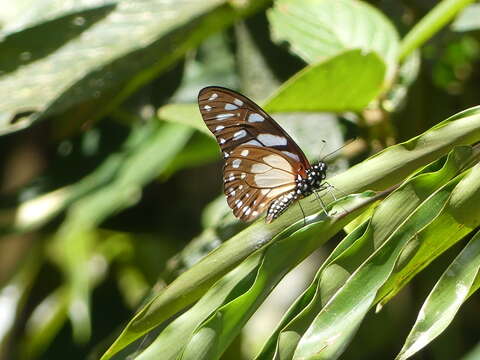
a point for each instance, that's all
(75, 238)
(337, 322)
(317, 29)
(94, 66)
(443, 303)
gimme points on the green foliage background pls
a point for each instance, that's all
(116, 238)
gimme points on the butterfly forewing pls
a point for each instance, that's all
(262, 163)
(236, 120)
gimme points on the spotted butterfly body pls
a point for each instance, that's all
(264, 169)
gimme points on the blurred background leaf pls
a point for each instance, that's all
(111, 205)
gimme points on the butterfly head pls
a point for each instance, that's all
(313, 181)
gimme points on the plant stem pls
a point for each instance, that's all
(430, 25)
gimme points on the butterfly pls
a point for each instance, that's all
(264, 168)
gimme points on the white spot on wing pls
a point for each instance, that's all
(274, 178)
(207, 107)
(220, 128)
(236, 163)
(292, 155)
(230, 107)
(221, 141)
(240, 203)
(223, 116)
(239, 134)
(238, 102)
(243, 176)
(254, 117)
(253, 142)
(244, 152)
(213, 96)
(258, 168)
(277, 162)
(272, 140)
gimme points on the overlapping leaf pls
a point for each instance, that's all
(355, 249)
(86, 63)
(227, 317)
(380, 172)
(317, 29)
(327, 338)
(443, 303)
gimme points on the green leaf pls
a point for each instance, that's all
(153, 147)
(337, 322)
(86, 64)
(460, 217)
(187, 114)
(356, 248)
(228, 315)
(450, 292)
(379, 173)
(438, 17)
(468, 19)
(171, 342)
(346, 82)
(317, 29)
(473, 354)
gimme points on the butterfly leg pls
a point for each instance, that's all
(329, 187)
(303, 213)
(322, 204)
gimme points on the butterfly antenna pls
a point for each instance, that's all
(338, 149)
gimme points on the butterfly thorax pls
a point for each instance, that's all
(304, 187)
(313, 181)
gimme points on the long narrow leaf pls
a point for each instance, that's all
(443, 303)
(379, 172)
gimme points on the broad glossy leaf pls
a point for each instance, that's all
(348, 81)
(318, 29)
(87, 64)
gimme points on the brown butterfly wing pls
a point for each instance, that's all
(262, 162)
(254, 177)
(236, 120)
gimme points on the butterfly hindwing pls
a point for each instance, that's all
(256, 176)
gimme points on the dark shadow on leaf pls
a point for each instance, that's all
(39, 41)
